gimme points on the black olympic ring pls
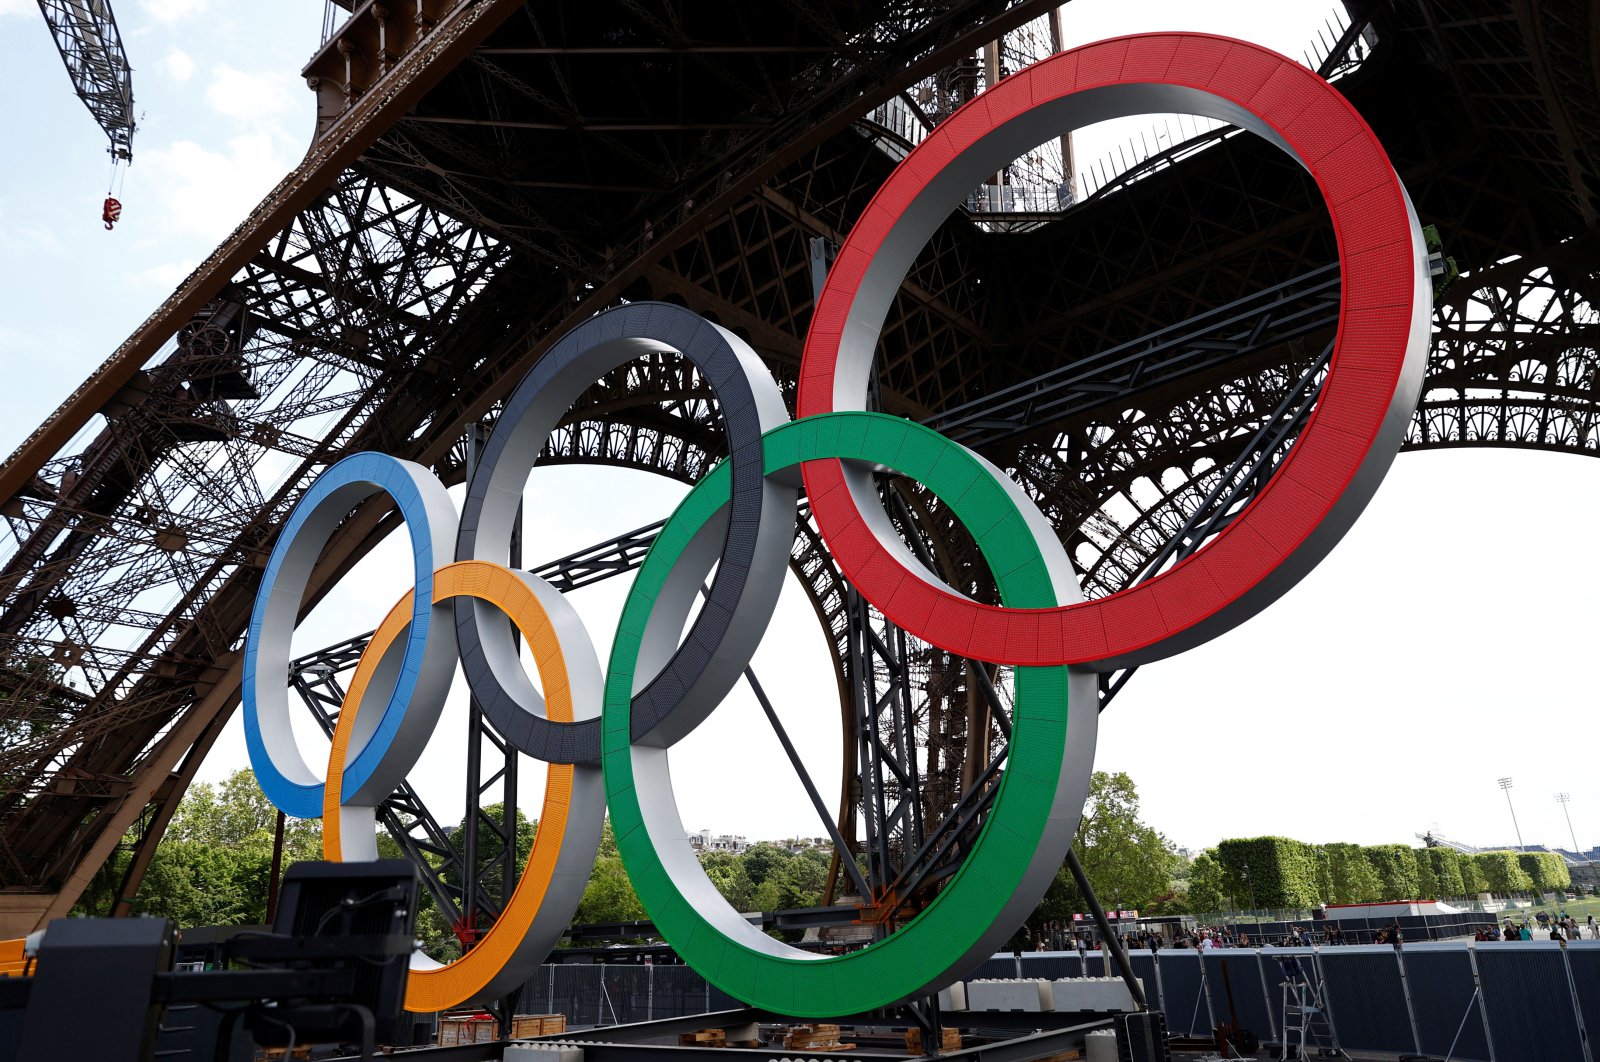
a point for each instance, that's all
(691, 678)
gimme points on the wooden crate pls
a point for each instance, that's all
(950, 1040)
(704, 1038)
(525, 1025)
(455, 1029)
(478, 1028)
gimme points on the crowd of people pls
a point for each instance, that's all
(1204, 938)
(1562, 927)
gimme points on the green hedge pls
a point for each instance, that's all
(1546, 870)
(1285, 873)
(1397, 871)
(1350, 877)
(1502, 872)
(1427, 879)
(1282, 872)
(1446, 864)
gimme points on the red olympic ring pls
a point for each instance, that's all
(1329, 472)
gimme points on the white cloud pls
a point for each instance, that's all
(173, 10)
(177, 65)
(18, 7)
(207, 192)
(237, 94)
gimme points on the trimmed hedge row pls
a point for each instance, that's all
(1280, 872)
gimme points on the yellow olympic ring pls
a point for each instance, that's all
(438, 987)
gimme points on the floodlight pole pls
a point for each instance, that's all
(1564, 799)
(1505, 783)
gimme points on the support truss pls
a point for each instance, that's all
(408, 298)
(128, 566)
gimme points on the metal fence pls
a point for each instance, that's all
(1505, 1001)
(1364, 930)
(600, 994)
(1517, 1001)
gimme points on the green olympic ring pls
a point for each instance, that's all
(1028, 828)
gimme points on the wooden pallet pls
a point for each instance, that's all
(820, 1037)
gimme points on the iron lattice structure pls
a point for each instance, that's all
(86, 35)
(1138, 351)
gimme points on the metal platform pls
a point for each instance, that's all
(1015, 1038)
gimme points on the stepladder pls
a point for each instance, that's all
(1307, 1024)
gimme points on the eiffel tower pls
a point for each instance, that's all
(487, 173)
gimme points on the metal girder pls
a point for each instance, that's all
(358, 342)
(177, 497)
(86, 35)
(1516, 357)
(1240, 330)
(448, 40)
(1525, 72)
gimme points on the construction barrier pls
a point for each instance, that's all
(1518, 1001)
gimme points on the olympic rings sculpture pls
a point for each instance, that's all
(606, 734)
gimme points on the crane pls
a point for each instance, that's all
(85, 33)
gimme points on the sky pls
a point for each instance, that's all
(1443, 645)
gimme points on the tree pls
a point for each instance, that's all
(1546, 870)
(491, 864)
(609, 896)
(1500, 872)
(731, 876)
(1447, 866)
(1353, 879)
(763, 861)
(214, 863)
(1397, 871)
(1208, 890)
(806, 878)
(1128, 863)
(1427, 880)
(1125, 860)
(1274, 872)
